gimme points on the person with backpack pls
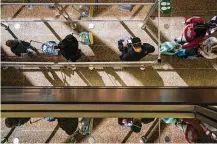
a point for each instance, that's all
(133, 49)
(194, 32)
(19, 47)
(69, 48)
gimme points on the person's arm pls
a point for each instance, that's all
(27, 44)
(193, 44)
(124, 50)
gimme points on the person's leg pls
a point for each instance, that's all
(34, 49)
(191, 52)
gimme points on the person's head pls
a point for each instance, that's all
(10, 122)
(137, 46)
(10, 43)
(200, 29)
(136, 43)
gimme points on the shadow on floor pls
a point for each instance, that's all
(54, 78)
(100, 9)
(53, 31)
(112, 72)
(148, 77)
(127, 28)
(78, 137)
(198, 72)
(8, 135)
(61, 11)
(104, 53)
(152, 31)
(12, 76)
(52, 134)
(18, 11)
(90, 77)
(137, 12)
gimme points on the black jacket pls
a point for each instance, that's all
(69, 48)
(128, 54)
(20, 47)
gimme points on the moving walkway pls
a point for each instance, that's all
(147, 102)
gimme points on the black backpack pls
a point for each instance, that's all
(200, 29)
(69, 47)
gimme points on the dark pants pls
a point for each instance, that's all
(191, 52)
(74, 58)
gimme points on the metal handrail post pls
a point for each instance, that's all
(77, 3)
(153, 8)
(74, 65)
(159, 41)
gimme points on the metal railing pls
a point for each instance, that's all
(74, 65)
(86, 64)
(77, 3)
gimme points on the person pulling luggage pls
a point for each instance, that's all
(19, 47)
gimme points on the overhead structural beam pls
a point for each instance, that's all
(73, 65)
